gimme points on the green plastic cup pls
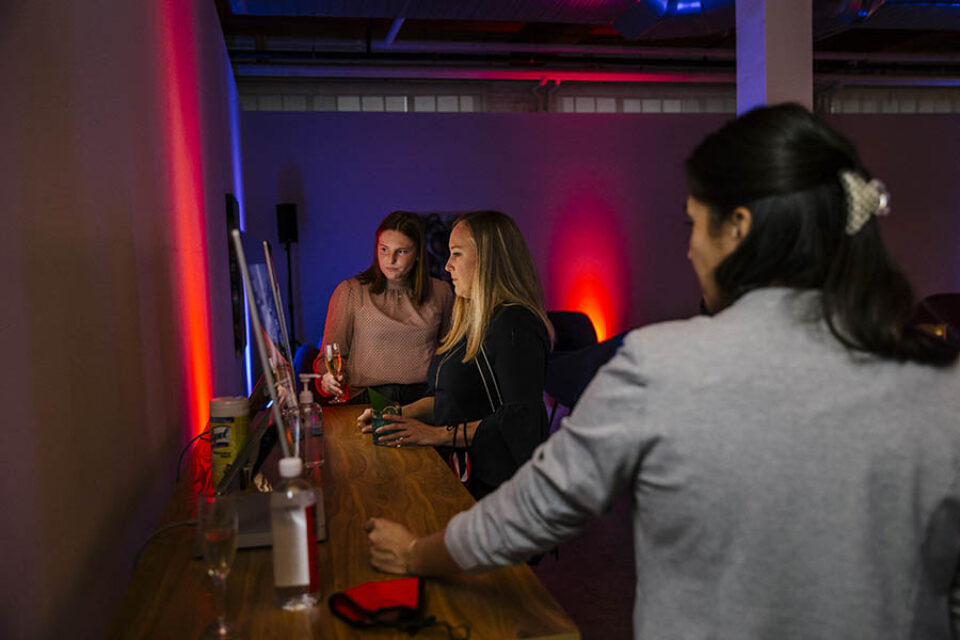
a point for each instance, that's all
(381, 418)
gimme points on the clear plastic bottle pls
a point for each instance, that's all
(293, 517)
(311, 422)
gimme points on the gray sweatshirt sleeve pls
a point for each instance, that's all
(571, 477)
(954, 603)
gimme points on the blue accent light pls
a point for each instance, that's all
(684, 7)
(237, 164)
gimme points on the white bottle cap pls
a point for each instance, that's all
(291, 467)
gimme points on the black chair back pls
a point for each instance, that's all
(573, 329)
(575, 358)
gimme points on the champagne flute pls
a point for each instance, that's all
(218, 521)
(334, 366)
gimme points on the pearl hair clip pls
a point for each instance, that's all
(864, 199)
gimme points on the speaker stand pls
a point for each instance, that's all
(294, 345)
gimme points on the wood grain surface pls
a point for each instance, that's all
(169, 595)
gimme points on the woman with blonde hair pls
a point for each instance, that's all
(485, 385)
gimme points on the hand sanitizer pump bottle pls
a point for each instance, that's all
(293, 517)
(311, 422)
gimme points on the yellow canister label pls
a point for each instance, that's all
(228, 434)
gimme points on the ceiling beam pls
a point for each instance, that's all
(450, 73)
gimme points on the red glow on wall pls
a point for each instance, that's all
(590, 294)
(181, 109)
(587, 269)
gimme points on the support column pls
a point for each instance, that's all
(774, 53)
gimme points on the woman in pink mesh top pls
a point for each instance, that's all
(389, 319)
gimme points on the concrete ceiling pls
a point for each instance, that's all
(881, 42)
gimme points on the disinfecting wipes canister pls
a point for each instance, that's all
(229, 429)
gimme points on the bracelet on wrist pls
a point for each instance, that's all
(410, 563)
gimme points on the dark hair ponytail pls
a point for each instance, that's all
(783, 164)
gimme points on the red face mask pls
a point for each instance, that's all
(388, 603)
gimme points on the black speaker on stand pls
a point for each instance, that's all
(287, 234)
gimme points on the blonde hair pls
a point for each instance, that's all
(503, 274)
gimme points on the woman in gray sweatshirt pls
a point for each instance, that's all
(794, 458)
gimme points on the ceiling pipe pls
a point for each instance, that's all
(902, 58)
(554, 49)
(397, 23)
(394, 30)
(545, 76)
(845, 80)
(441, 73)
(344, 45)
(347, 45)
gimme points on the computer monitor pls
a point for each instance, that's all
(265, 326)
(277, 299)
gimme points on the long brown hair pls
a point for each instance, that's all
(504, 274)
(412, 226)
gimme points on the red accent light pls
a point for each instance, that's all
(591, 295)
(587, 270)
(181, 110)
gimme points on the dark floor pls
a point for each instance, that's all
(594, 577)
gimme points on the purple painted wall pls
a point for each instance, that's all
(562, 177)
(559, 176)
(918, 158)
(95, 400)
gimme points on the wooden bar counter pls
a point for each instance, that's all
(169, 595)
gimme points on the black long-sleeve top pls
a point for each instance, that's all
(514, 421)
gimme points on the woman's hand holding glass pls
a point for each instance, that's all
(365, 421)
(334, 380)
(405, 432)
(332, 386)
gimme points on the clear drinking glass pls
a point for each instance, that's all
(217, 516)
(331, 353)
